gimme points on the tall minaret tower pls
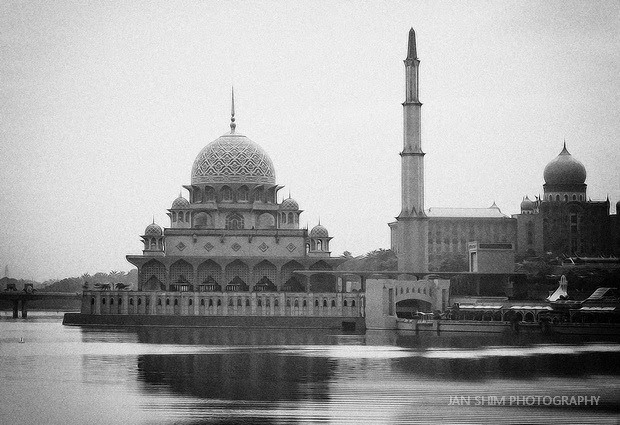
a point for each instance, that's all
(412, 224)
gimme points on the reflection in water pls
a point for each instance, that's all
(261, 376)
(73, 375)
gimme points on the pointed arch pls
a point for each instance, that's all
(237, 269)
(181, 272)
(264, 269)
(152, 269)
(234, 221)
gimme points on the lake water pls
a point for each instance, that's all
(73, 375)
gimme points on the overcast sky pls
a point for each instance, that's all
(105, 105)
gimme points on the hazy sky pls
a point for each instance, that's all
(105, 105)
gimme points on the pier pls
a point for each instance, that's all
(22, 297)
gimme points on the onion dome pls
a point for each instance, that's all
(527, 204)
(180, 203)
(565, 169)
(153, 230)
(319, 231)
(289, 204)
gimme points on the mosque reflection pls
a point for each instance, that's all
(292, 365)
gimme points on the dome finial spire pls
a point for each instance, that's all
(411, 47)
(232, 112)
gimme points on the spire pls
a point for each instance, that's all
(232, 112)
(411, 49)
(153, 219)
(564, 150)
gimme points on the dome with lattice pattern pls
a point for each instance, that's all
(153, 230)
(289, 204)
(233, 158)
(319, 231)
(180, 203)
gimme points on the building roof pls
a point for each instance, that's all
(493, 212)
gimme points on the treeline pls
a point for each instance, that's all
(75, 284)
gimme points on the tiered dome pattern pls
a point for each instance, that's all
(319, 231)
(153, 230)
(233, 158)
(180, 203)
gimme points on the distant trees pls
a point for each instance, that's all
(379, 259)
(75, 284)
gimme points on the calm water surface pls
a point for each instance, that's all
(73, 375)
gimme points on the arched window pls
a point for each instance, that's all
(574, 197)
(344, 303)
(557, 198)
(187, 216)
(565, 198)
(259, 302)
(130, 301)
(111, 301)
(243, 194)
(234, 221)
(352, 303)
(288, 303)
(92, 301)
(316, 303)
(226, 193)
(167, 301)
(307, 248)
(581, 197)
(158, 301)
(209, 194)
(296, 304)
(202, 302)
(103, 301)
(139, 301)
(333, 303)
(290, 217)
(230, 302)
(239, 304)
(276, 303)
(174, 216)
(247, 302)
(319, 245)
(190, 302)
(219, 302)
(305, 304)
(324, 303)
(283, 218)
(210, 302)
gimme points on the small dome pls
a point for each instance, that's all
(153, 230)
(319, 231)
(527, 204)
(180, 203)
(565, 169)
(289, 204)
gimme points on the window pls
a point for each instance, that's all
(352, 303)
(209, 194)
(242, 194)
(130, 301)
(319, 245)
(247, 302)
(305, 304)
(219, 302)
(234, 221)
(92, 301)
(239, 302)
(276, 303)
(324, 303)
(296, 304)
(230, 302)
(333, 303)
(574, 197)
(139, 301)
(158, 301)
(202, 302)
(259, 302)
(167, 301)
(190, 302)
(103, 301)
(344, 303)
(176, 301)
(111, 301)
(288, 303)
(268, 302)
(316, 303)
(226, 193)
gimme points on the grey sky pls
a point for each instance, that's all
(104, 106)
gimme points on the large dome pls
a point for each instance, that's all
(233, 158)
(565, 169)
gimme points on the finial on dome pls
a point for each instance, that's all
(564, 150)
(232, 112)
(289, 194)
(411, 49)
(153, 219)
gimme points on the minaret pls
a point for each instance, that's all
(412, 249)
(412, 155)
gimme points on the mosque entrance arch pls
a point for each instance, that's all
(409, 308)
